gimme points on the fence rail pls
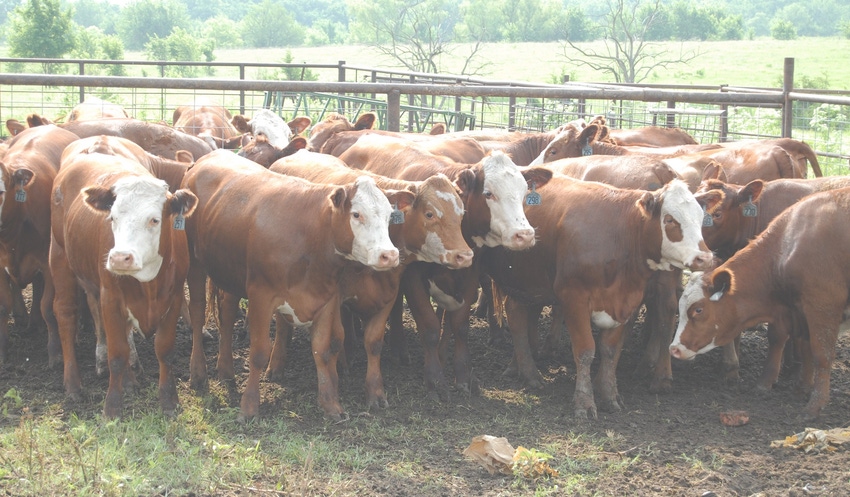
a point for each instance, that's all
(413, 101)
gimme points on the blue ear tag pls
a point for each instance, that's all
(180, 221)
(586, 149)
(533, 198)
(21, 194)
(397, 216)
(749, 209)
(707, 220)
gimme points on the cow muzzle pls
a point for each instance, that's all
(521, 240)
(386, 259)
(122, 262)
(679, 351)
(457, 259)
(703, 261)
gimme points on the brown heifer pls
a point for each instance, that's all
(652, 136)
(335, 123)
(492, 191)
(107, 208)
(263, 153)
(458, 149)
(796, 275)
(95, 108)
(597, 247)
(210, 122)
(281, 242)
(28, 169)
(430, 232)
(800, 151)
(157, 139)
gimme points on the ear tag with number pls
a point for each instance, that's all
(586, 149)
(533, 198)
(21, 194)
(707, 220)
(180, 221)
(397, 216)
(749, 209)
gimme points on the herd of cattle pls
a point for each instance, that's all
(114, 217)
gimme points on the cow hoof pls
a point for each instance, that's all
(534, 383)
(244, 418)
(378, 403)
(615, 405)
(199, 384)
(275, 377)
(583, 414)
(463, 388)
(661, 385)
(337, 418)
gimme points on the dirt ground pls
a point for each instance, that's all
(671, 444)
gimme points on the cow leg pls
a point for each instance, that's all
(5, 307)
(54, 345)
(229, 306)
(65, 312)
(164, 339)
(731, 362)
(521, 318)
(584, 348)
(100, 357)
(280, 348)
(428, 326)
(373, 341)
(458, 322)
(777, 337)
(485, 308)
(327, 340)
(661, 300)
(605, 383)
(116, 325)
(260, 311)
(396, 338)
(349, 325)
(196, 281)
(823, 335)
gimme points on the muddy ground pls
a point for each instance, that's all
(672, 444)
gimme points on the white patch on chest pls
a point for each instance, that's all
(443, 299)
(603, 320)
(287, 310)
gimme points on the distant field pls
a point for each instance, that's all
(739, 63)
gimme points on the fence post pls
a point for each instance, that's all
(82, 88)
(511, 113)
(242, 92)
(724, 119)
(458, 125)
(394, 110)
(788, 105)
(671, 118)
(340, 77)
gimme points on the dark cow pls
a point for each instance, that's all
(281, 242)
(430, 232)
(795, 275)
(157, 139)
(597, 247)
(28, 168)
(116, 231)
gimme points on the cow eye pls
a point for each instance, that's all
(488, 194)
(429, 215)
(155, 221)
(355, 215)
(698, 310)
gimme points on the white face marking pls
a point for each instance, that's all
(540, 158)
(136, 226)
(370, 220)
(432, 250)
(452, 199)
(266, 122)
(691, 294)
(443, 299)
(508, 225)
(680, 203)
(603, 320)
(287, 310)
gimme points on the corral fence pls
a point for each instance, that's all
(414, 102)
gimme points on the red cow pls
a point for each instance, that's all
(335, 123)
(597, 247)
(109, 208)
(430, 232)
(795, 275)
(456, 148)
(272, 137)
(28, 169)
(281, 242)
(157, 139)
(211, 122)
(95, 108)
(652, 136)
(800, 151)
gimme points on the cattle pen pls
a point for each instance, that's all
(410, 101)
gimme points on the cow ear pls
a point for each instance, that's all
(438, 129)
(184, 156)
(647, 204)
(751, 192)
(338, 197)
(23, 176)
(240, 123)
(299, 124)
(722, 282)
(297, 143)
(366, 121)
(14, 126)
(182, 202)
(99, 198)
(465, 183)
(713, 171)
(35, 120)
(536, 176)
(588, 134)
(401, 199)
(711, 199)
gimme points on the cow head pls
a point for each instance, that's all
(497, 189)
(368, 217)
(264, 154)
(726, 233)
(681, 219)
(571, 141)
(706, 314)
(15, 180)
(138, 206)
(336, 123)
(433, 225)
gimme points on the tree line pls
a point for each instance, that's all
(414, 32)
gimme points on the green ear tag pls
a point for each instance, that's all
(397, 216)
(533, 198)
(707, 220)
(749, 209)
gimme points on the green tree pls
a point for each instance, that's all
(224, 31)
(270, 24)
(479, 22)
(180, 45)
(531, 20)
(41, 28)
(782, 29)
(144, 19)
(100, 13)
(92, 43)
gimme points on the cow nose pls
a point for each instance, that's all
(122, 261)
(388, 259)
(523, 239)
(703, 261)
(680, 352)
(460, 258)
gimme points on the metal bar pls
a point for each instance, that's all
(787, 104)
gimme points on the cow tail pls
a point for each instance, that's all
(812, 157)
(213, 310)
(498, 304)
